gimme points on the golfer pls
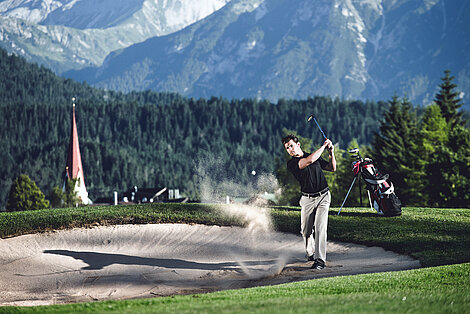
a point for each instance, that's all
(316, 198)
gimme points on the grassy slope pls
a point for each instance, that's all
(443, 289)
(435, 236)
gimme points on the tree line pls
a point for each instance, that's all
(151, 139)
(427, 154)
(156, 145)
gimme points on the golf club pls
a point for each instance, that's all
(312, 117)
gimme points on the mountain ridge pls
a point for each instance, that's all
(268, 49)
(76, 33)
(355, 50)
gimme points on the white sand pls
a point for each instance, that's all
(133, 261)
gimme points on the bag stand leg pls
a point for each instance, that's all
(350, 188)
(370, 201)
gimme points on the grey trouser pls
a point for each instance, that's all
(314, 214)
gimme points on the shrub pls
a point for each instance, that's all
(25, 195)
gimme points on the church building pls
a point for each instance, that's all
(74, 168)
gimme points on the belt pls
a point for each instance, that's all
(315, 194)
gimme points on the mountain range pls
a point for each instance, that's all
(271, 49)
(72, 34)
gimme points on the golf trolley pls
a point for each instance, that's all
(380, 190)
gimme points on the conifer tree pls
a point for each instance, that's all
(450, 162)
(394, 150)
(25, 195)
(449, 171)
(56, 197)
(433, 132)
(68, 198)
(444, 156)
(448, 100)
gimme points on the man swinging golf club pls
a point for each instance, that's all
(316, 198)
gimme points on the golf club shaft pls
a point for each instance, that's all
(320, 128)
(313, 117)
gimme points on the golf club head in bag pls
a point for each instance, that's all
(355, 153)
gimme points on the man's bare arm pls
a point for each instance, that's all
(310, 159)
(332, 162)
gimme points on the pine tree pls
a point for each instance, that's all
(449, 171)
(25, 195)
(393, 148)
(448, 100)
(450, 160)
(433, 132)
(67, 198)
(56, 197)
(444, 155)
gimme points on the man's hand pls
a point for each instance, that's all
(331, 148)
(327, 144)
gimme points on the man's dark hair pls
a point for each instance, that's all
(289, 137)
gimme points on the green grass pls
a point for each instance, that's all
(434, 236)
(443, 289)
(18, 223)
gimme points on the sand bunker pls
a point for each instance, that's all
(133, 261)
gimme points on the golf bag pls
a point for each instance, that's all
(382, 192)
(380, 189)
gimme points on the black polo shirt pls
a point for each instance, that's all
(311, 178)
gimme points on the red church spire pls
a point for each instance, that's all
(74, 168)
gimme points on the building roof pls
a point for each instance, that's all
(74, 167)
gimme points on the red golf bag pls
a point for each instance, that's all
(381, 192)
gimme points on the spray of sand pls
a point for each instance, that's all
(222, 189)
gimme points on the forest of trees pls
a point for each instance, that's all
(150, 139)
(427, 154)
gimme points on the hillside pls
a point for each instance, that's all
(154, 139)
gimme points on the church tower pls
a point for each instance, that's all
(74, 168)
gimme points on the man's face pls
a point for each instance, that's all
(293, 148)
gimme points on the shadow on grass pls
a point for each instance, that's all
(356, 214)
